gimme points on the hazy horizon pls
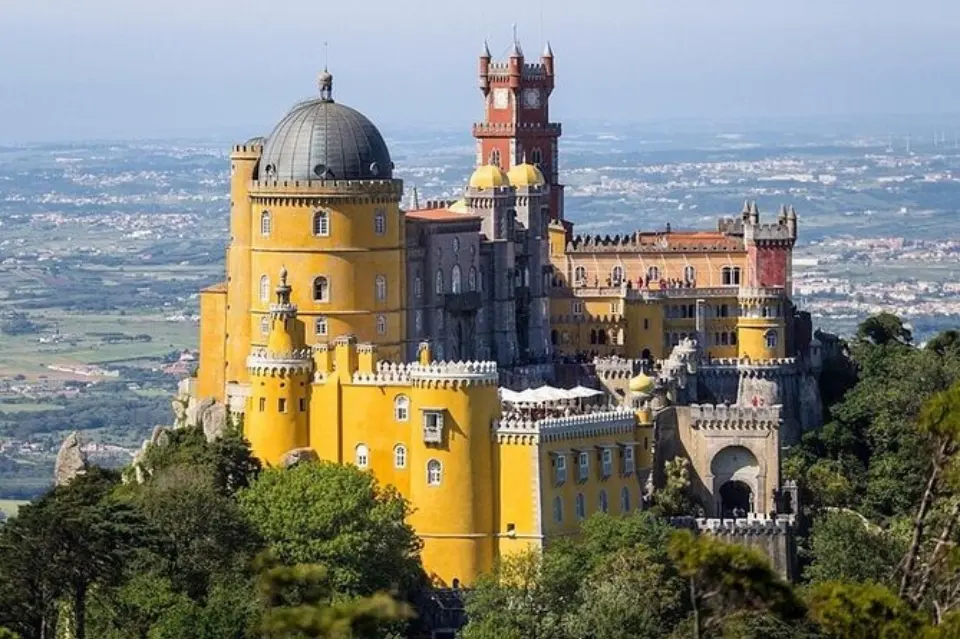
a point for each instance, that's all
(109, 70)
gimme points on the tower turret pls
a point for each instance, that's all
(485, 58)
(546, 59)
(277, 418)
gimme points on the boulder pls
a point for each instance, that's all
(297, 456)
(71, 460)
(213, 420)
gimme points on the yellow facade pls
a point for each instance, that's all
(306, 337)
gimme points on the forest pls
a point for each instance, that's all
(211, 545)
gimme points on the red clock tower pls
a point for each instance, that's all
(516, 126)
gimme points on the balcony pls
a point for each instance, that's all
(460, 303)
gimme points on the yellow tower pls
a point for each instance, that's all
(761, 326)
(453, 487)
(277, 414)
(324, 203)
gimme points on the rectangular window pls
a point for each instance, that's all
(433, 426)
(380, 223)
(303, 405)
(282, 405)
(263, 404)
(583, 460)
(606, 457)
(560, 468)
(646, 324)
(629, 461)
(578, 308)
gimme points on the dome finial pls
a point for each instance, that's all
(326, 85)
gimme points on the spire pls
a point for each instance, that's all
(416, 199)
(486, 51)
(547, 51)
(516, 51)
(283, 289)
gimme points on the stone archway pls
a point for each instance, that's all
(736, 481)
(736, 499)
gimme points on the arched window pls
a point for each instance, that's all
(381, 324)
(438, 286)
(536, 156)
(321, 224)
(418, 321)
(733, 338)
(624, 500)
(401, 408)
(472, 279)
(380, 287)
(495, 157)
(264, 288)
(399, 456)
(418, 286)
(434, 472)
(689, 273)
(616, 275)
(653, 273)
(321, 289)
(456, 245)
(362, 456)
(380, 223)
(771, 339)
(558, 509)
(321, 326)
(265, 224)
(265, 325)
(602, 504)
(526, 276)
(455, 279)
(580, 275)
(581, 507)
(480, 280)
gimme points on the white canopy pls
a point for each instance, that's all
(545, 394)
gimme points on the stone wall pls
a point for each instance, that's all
(775, 538)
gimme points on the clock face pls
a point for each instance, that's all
(501, 98)
(531, 98)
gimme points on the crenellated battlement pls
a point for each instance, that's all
(589, 424)
(761, 369)
(616, 367)
(666, 242)
(754, 524)
(251, 148)
(724, 417)
(388, 374)
(472, 372)
(392, 189)
(264, 363)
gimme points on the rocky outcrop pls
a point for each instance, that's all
(298, 456)
(71, 460)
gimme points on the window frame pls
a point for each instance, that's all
(629, 460)
(401, 408)
(266, 223)
(381, 324)
(361, 456)
(558, 509)
(380, 222)
(380, 288)
(606, 462)
(400, 457)
(625, 499)
(603, 502)
(321, 321)
(560, 468)
(583, 465)
(438, 283)
(321, 223)
(324, 298)
(456, 279)
(264, 288)
(581, 507)
(434, 472)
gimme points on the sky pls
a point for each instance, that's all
(96, 69)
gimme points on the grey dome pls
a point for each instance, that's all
(322, 140)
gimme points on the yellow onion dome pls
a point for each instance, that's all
(525, 175)
(642, 384)
(488, 176)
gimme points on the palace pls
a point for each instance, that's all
(355, 331)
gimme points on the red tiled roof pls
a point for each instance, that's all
(220, 287)
(440, 215)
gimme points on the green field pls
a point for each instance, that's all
(9, 507)
(23, 354)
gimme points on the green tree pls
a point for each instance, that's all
(511, 602)
(846, 547)
(862, 611)
(883, 329)
(341, 518)
(674, 498)
(84, 537)
(630, 594)
(300, 602)
(724, 579)
(945, 344)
